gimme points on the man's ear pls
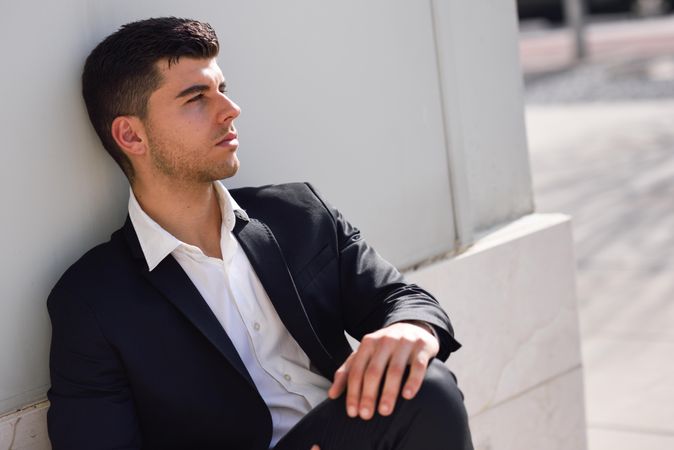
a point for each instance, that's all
(129, 134)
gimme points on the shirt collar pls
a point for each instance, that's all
(157, 243)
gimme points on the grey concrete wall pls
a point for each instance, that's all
(482, 92)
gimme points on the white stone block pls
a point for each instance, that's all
(25, 429)
(511, 298)
(548, 417)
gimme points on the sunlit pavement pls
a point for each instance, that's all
(544, 49)
(607, 159)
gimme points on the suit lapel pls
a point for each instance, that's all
(264, 254)
(172, 281)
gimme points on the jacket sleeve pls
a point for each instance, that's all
(374, 294)
(91, 403)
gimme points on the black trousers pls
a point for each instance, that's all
(434, 419)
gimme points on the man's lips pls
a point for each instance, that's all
(229, 137)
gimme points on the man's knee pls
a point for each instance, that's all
(439, 389)
(440, 402)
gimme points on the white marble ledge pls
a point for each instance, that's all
(517, 229)
(549, 417)
(25, 429)
(512, 301)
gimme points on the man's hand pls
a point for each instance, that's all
(390, 349)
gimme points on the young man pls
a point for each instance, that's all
(216, 320)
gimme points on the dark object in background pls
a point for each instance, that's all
(553, 10)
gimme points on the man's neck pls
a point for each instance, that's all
(190, 213)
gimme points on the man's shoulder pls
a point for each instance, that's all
(284, 192)
(99, 268)
(282, 197)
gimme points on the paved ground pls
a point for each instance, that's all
(604, 153)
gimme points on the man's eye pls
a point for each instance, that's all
(196, 97)
(223, 90)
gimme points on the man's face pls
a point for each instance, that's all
(190, 123)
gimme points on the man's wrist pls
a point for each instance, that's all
(425, 325)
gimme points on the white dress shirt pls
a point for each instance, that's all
(277, 364)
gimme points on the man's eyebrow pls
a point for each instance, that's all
(192, 90)
(197, 88)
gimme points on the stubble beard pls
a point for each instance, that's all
(175, 165)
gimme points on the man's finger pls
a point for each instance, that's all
(355, 375)
(372, 377)
(340, 378)
(315, 447)
(394, 375)
(417, 373)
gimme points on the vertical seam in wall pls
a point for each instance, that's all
(458, 182)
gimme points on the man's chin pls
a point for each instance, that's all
(229, 171)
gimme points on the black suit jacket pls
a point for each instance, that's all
(138, 360)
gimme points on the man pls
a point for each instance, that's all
(216, 320)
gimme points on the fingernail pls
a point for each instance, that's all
(351, 411)
(384, 408)
(364, 413)
(407, 393)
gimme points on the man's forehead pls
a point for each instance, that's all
(189, 70)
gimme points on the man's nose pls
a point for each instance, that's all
(229, 110)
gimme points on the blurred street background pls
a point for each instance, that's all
(601, 140)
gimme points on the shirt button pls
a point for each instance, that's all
(256, 326)
(287, 377)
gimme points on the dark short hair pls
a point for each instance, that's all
(120, 74)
